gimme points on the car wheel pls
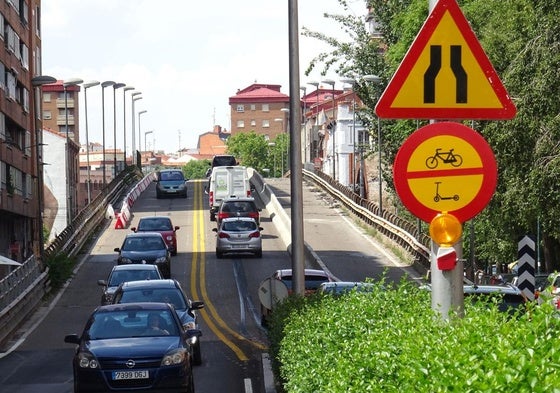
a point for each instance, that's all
(173, 253)
(219, 254)
(258, 254)
(197, 354)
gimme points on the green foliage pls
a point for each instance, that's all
(60, 270)
(196, 169)
(391, 341)
(254, 151)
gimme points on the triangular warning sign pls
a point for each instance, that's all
(445, 75)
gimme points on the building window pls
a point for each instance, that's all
(240, 108)
(253, 107)
(47, 115)
(240, 124)
(253, 123)
(46, 97)
(265, 108)
(266, 123)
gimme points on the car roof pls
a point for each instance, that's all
(488, 289)
(230, 219)
(154, 218)
(135, 266)
(347, 284)
(170, 170)
(238, 199)
(135, 306)
(144, 234)
(316, 272)
(151, 284)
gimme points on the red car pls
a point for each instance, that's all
(160, 224)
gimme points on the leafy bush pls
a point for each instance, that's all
(391, 341)
(60, 269)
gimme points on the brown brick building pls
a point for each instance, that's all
(261, 108)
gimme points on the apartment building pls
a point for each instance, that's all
(60, 105)
(261, 108)
(20, 143)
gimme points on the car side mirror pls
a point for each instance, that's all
(102, 283)
(197, 305)
(72, 339)
(261, 229)
(133, 229)
(215, 230)
(176, 228)
(117, 249)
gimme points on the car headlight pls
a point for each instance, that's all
(161, 260)
(126, 260)
(176, 356)
(87, 360)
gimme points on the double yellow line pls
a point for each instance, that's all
(198, 279)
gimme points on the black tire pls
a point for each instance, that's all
(258, 254)
(219, 254)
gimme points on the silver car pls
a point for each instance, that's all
(238, 235)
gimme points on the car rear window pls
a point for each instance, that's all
(239, 226)
(223, 161)
(154, 295)
(155, 224)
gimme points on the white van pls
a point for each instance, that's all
(227, 182)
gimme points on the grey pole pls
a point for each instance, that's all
(115, 87)
(298, 256)
(103, 86)
(88, 185)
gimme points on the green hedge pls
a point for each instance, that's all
(391, 341)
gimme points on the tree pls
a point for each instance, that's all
(196, 169)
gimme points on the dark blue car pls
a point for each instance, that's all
(145, 248)
(136, 346)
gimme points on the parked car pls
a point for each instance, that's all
(313, 279)
(171, 182)
(238, 235)
(166, 291)
(162, 225)
(338, 288)
(238, 207)
(542, 282)
(115, 353)
(145, 248)
(124, 273)
(508, 297)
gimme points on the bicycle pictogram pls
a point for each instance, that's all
(438, 197)
(447, 157)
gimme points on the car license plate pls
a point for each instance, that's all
(238, 246)
(132, 374)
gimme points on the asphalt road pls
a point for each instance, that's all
(233, 341)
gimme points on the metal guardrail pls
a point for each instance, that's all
(402, 232)
(21, 291)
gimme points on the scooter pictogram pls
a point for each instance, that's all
(438, 197)
(447, 157)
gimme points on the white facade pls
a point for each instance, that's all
(54, 178)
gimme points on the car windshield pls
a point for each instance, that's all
(311, 282)
(239, 226)
(118, 277)
(143, 244)
(131, 323)
(163, 295)
(155, 224)
(175, 175)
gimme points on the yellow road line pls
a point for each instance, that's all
(199, 249)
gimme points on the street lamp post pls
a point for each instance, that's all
(115, 87)
(70, 200)
(103, 86)
(285, 122)
(352, 82)
(125, 89)
(139, 134)
(304, 89)
(333, 127)
(375, 79)
(146, 134)
(135, 95)
(88, 185)
(313, 152)
(38, 81)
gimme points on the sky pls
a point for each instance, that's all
(186, 60)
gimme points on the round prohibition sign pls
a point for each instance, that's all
(445, 167)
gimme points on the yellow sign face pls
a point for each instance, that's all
(445, 173)
(445, 75)
(480, 94)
